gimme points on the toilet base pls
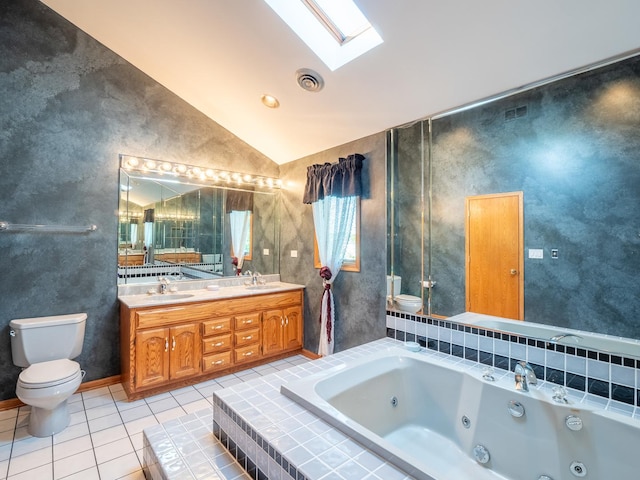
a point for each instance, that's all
(44, 423)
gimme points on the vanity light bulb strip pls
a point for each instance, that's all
(191, 171)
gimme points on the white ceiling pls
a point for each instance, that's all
(222, 55)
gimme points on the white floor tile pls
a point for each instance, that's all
(78, 417)
(4, 467)
(102, 423)
(188, 397)
(96, 392)
(6, 438)
(119, 467)
(138, 425)
(166, 403)
(71, 432)
(136, 441)
(31, 444)
(44, 472)
(136, 413)
(112, 450)
(72, 447)
(5, 452)
(170, 414)
(101, 411)
(28, 461)
(8, 424)
(74, 464)
(88, 474)
(139, 475)
(196, 406)
(108, 435)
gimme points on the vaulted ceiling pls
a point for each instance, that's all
(222, 55)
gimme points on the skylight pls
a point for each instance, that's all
(336, 30)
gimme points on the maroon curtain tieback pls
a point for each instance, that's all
(326, 275)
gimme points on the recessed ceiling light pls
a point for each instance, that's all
(270, 101)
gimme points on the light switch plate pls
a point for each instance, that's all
(537, 253)
(265, 251)
(294, 253)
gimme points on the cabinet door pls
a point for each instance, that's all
(152, 357)
(292, 331)
(185, 351)
(272, 323)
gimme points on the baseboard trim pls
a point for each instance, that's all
(310, 354)
(92, 385)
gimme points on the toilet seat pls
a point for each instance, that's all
(49, 374)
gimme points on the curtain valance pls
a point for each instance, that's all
(342, 179)
(149, 215)
(239, 201)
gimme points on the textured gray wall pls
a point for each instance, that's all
(576, 156)
(68, 107)
(359, 297)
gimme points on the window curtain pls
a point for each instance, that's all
(332, 190)
(149, 216)
(239, 205)
(240, 221)
(133, 227)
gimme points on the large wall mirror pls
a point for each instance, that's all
(571, 148)
(185, 225)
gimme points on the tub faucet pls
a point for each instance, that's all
(557, 338)
(524, 376)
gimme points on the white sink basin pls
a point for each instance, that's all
(266, 286)
(173, 296)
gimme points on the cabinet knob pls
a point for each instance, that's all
(247, 354)
(286, 320)
(166, 344)
(173, 343)
(246, 322)
(218, 362)
(217, 327)
(219, 344)
(248, 337)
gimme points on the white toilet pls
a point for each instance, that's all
(401, 301)
(44, 347)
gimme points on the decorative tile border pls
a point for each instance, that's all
(611, 377)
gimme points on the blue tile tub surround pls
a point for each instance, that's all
(612, 377)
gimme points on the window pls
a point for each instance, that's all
(352, 256)
(336, 30)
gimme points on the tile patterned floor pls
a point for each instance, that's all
(104, 439)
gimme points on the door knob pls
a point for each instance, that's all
(514, 271)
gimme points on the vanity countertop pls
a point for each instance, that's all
(204, 295)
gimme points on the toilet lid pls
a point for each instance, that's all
(47, 374)
(408, 298)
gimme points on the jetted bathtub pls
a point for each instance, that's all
(437, 421)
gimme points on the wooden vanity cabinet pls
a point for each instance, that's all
(282, 330)
(176, 345)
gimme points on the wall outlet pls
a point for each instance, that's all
(265, 251)
(294, 253)
(537, 253)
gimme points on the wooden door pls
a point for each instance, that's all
(185, 351)
(292, 333)
(494, 255)
(152, 357)
(272, 324)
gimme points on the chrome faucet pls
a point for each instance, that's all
(524, 376)
(556, 338)
(255, 278)
(164, 282)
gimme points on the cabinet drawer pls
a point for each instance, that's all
(247, 321)
(214, 327)
(216, 344)
(246, 337)
(216, 361)
(247, 354)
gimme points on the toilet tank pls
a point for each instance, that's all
(41, 339)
